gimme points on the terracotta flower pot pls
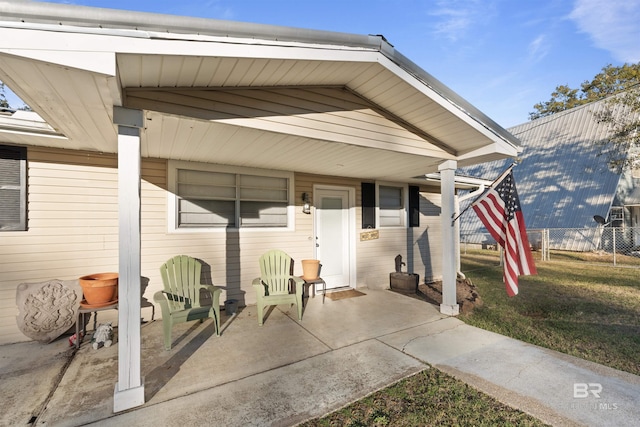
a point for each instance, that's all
(310, 269)
(100, 288)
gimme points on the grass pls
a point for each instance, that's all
(574, 305)
(428, 398)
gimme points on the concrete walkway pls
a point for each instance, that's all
(286, 371)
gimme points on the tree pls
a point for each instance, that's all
(562, 99)
(3, 98)
(610, 81)
(622, 114)
(4, 102)
(621, 85)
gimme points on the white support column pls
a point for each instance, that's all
(456, 232)
(129, 390)
(449, 304)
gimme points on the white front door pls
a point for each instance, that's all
(333, 235)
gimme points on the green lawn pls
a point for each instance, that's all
(429, 398)
(574, 305)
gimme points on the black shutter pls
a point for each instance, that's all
(13, 188)
(368, 205)
(414, 206)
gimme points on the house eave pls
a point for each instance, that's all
(153, 25)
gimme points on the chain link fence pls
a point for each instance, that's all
(613, 245)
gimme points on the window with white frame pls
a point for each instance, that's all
(13, 188)
(391, 206)
(222, 198)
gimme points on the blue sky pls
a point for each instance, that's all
(503, 56)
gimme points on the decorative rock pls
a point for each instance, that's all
(48, 309)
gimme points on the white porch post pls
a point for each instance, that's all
(456, 232)
(129, 390)
(449, 304)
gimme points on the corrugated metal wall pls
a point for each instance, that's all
(561, 180)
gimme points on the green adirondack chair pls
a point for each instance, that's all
(272, 287)
(180, 299)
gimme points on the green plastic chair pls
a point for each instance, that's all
(272, 287)
(180, 299)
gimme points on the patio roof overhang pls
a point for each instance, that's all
(214, 91)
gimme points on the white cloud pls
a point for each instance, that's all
(456, 17)
(612, 25)
(538, 48)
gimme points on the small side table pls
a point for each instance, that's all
(314, 282)
(81, 313)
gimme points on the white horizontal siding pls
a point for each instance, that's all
(420, 247)
(73, 231)
(72, 226)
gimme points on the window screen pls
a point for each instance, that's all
(217, 199)
(391, 206)
(13, 188)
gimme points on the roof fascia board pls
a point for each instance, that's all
(446, 93)
(461, 182)
(30, 39)
(83, 16)
(440, 99)
(27, 123)
(499, 147)
(164, 36)
(96, 62)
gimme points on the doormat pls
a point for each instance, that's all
(344, 294)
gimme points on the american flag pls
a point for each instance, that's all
(500, 212)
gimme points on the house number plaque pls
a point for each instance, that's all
(369, 235)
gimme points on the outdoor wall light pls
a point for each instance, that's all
(307, 205)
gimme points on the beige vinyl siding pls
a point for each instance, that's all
(420, 248)
(430, 240)
(72, 226)
(73, 231)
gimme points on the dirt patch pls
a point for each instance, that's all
(466, 294)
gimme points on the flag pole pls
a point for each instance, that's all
(495, 181)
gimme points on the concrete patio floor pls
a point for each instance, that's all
(286, 372)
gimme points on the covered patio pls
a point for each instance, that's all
(175, 89)
(279, 374)
(286, 371)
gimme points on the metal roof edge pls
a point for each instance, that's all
(86, 16)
